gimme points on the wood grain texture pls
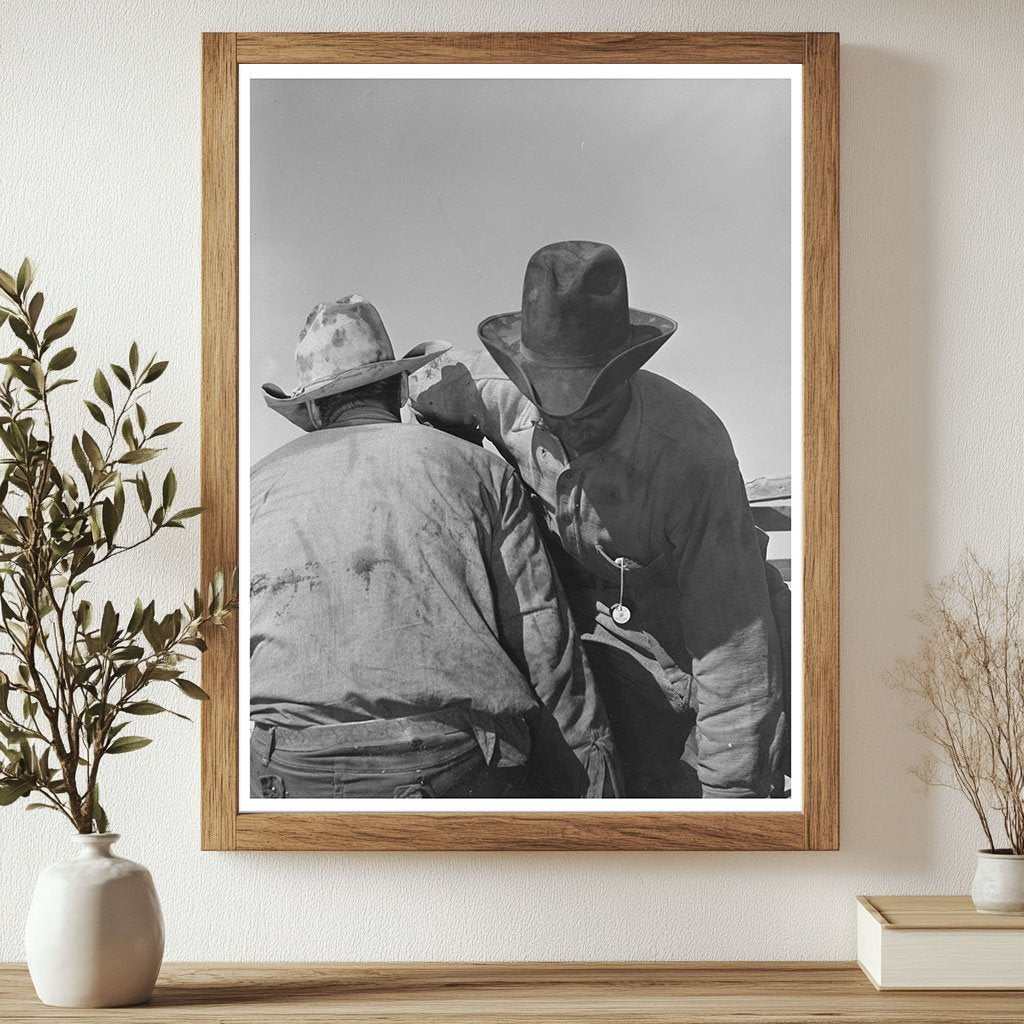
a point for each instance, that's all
(521, 48)
(821, 440)
(587, 831)
(944, 913)
(219, 436)
(817, 827)
(617, 993)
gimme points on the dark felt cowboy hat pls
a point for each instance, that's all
(342, 347)
(575, 338)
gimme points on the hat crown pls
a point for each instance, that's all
(575, 303)
(339, 336)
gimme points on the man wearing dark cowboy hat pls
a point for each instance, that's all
(637, 485)
(408, 636)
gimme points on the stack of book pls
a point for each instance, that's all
(938, 942)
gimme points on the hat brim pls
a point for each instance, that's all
(563, 391)
(293, 406)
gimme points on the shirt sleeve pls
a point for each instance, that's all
(729, 630)
(539, 634)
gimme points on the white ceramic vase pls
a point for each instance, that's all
(999, 883)
(95, 933)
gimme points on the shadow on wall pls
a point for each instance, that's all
(887, 275)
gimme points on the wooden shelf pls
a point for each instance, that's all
(660, 993)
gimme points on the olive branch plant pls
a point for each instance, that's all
(966, 681)
(73, 676)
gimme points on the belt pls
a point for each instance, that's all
(504, 742)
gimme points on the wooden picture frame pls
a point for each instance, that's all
(816, 826)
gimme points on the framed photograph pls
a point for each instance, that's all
(520, 421)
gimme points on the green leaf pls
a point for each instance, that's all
(125, 744)
(137, 617)
(92, 449)
(133, 358)
(60, 326)
(70, 486)
(140, 415)
(116, 730)
(170, 488)
(12, 733)
(119, 498)
(165, 428)
(16, 359)
(95, 711)
(34, 308)
(11, 791)
(99, 816)
(26, 274)
(143, 707)
(164, 673)
(147, 707)
(109, 518)
(102, 388)
(145, 497)
(139, 455)
(128, 433)
(63, 359)
(130, 653)
(185, 513)
(20, 329)
(108, 626)
(191, 690)
(121, 374)
(95, 412)
(154, 372)
(8, 284)
(84, 614)
(80, 458)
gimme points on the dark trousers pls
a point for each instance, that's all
(412, 758)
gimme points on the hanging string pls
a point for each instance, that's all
(620, 613)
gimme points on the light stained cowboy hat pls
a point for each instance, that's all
(342, 347)
(576, 338)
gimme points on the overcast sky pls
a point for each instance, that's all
(428, 197)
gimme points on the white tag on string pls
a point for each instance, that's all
(620, 613)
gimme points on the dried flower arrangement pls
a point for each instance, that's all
(967, 682)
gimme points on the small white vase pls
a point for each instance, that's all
(95, 933)
(999, 883)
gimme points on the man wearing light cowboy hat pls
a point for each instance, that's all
(645, 511)
(408, 637)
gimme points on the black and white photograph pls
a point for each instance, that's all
(520, 403)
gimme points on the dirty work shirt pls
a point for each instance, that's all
(665, 493)
(396, 570)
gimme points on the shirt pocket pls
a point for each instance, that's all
(639, 576)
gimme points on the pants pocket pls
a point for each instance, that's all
(414, 791)
(272, 787)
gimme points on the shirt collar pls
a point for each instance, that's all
(623, 440)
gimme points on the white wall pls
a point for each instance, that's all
(99, 181)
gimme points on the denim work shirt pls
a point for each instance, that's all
(395, 571)
(665, 494)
